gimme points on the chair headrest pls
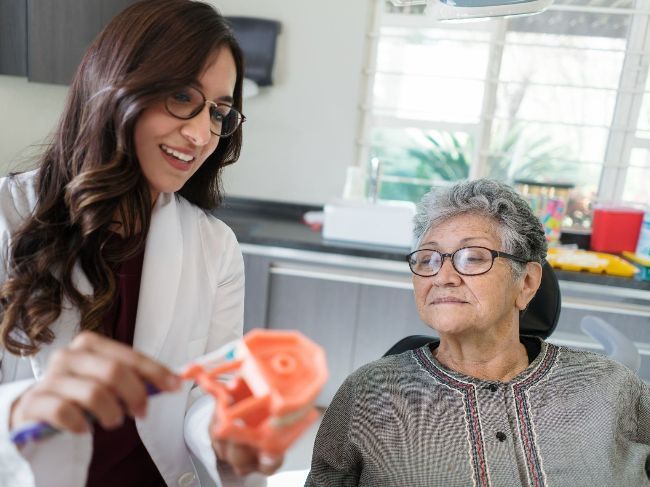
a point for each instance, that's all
(541, 317)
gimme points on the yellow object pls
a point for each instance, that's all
(639, 259)
(594, 262)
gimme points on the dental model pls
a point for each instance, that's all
(264, 386)
(267, 402)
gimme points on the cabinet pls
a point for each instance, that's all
(280, 295)
(385, 315)
(13, 37)
(322, 309)
(51, 37)
(356, 314)
(357, 308)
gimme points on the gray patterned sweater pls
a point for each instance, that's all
(571, 419)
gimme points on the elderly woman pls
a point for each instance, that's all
(483, 405)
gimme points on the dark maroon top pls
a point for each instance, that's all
(119, 457)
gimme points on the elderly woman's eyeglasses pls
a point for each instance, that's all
(468, 261)
(188, 102)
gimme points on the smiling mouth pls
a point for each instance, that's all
(185, 158)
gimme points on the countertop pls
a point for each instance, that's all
(276, 224)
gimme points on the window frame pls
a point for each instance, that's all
(621, 139)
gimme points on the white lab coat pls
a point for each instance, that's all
(191, 302)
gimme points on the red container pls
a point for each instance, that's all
(615, 229)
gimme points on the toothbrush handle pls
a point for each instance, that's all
(41, 429)
(32, 432)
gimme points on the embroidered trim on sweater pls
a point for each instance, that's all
(536, 476)
(481, 475)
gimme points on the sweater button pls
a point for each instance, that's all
(493, 388)
(501, 436)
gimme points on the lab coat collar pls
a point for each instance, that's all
(161, 275)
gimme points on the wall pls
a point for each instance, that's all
(28, 112)
(300, 133)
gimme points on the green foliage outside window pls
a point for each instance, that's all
(414, 160)
(518, 154)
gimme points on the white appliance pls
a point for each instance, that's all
(384, 223)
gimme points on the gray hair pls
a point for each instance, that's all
(520, 230)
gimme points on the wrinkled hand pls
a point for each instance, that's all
(94, 374)
(244, 459)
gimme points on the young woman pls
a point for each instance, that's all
(112, 271)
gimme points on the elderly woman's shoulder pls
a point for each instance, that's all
(598, 363)
(384, 372)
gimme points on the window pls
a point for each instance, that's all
(557, 97)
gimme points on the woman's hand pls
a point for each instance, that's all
(93, 374)
(244, 459)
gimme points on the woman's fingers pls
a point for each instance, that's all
(91, 396)
(45, 406)
(269, 464)
(242, 457)
(245, 459)
(96, 375)
(148, 369)
(120, 379)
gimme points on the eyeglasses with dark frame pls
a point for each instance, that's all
(186, 103)
(467, 261)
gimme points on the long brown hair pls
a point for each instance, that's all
(89, 172)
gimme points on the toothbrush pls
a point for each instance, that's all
(40, 430)
(264, 386)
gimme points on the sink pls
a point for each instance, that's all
(388, 223)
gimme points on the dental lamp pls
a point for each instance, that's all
(459, 10)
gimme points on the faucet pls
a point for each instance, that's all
(373, 179)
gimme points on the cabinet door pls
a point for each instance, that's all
(13, 37)
(256, 293)
(324, 310)
(386, 315)
(60, 31)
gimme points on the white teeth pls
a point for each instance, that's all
(176, 154)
